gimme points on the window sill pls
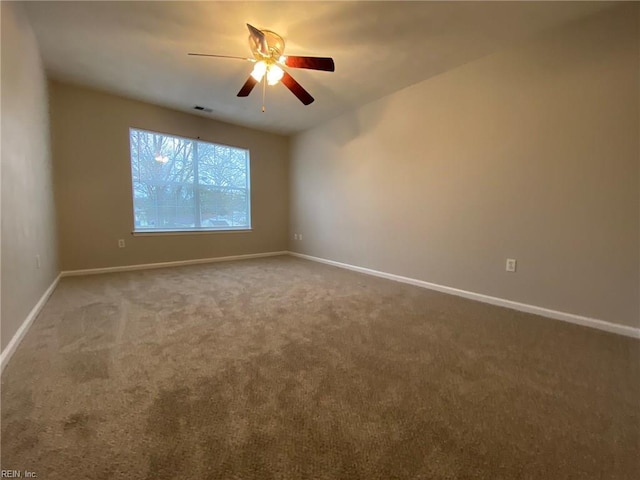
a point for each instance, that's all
(161, 233)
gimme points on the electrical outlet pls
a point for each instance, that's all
(511, 265)
(37, 261)
(295, 236)
(121, 243)
(299, 236)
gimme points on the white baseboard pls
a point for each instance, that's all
(11, 347)
(179, 263)
(523, 307)
(9, 350)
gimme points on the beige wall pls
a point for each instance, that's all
(28, 214)
(531, 154)
(90, 134)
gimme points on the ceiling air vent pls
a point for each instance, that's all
(202, 109)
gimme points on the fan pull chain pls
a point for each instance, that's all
(264, 91)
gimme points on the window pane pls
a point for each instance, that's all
(222, 207)
(183, 184)
(222, 166)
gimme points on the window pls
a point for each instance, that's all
(180, 184)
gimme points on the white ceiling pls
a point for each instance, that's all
(139, 49)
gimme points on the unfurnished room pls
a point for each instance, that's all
(336, 240)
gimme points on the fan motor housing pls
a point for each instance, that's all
(275, 43)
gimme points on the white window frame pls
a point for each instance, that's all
(142, 231)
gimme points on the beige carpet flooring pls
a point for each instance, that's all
(280, 368)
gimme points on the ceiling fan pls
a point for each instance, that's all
(268, 48)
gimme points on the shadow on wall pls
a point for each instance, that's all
(355, 123)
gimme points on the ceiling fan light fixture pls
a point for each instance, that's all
(259, 70)
(267, 48)
(274, 74)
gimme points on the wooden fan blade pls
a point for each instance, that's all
(259, 40)
(247, 87)
(220, 56)
(296, 89)
(313, 63)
